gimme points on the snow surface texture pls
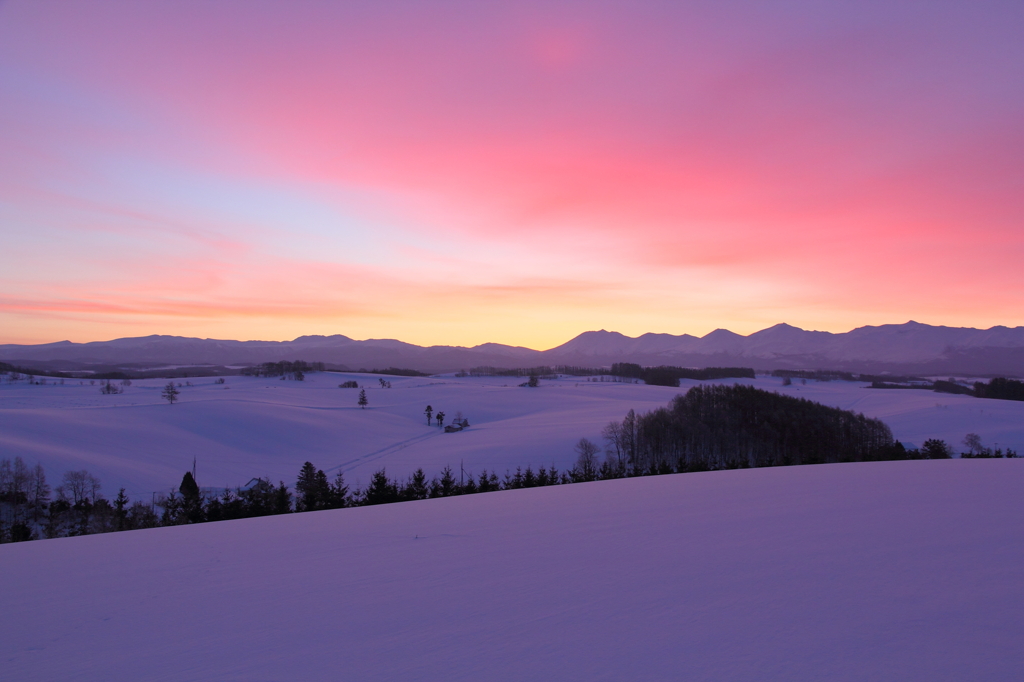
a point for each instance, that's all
(252, 427)
(898, 571)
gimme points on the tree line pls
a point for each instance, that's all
(296, 370)
(663, 375)
(999, 388)
(31, 509)
(544, 371)
(394, 371)
(667, 375)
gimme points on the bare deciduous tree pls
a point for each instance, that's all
(14, 481)
(972, 442)
(39, 490)
(78, 486)
(612, 434)
(586, 460)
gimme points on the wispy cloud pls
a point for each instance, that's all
(522, 171)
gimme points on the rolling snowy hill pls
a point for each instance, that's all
(901, 571)
(266, 427)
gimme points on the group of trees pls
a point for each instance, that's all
(723, 427)
(545, 371)
(15, 377)
(29, 509)
(188, 504)
(666, 375)
(396, 372)
(110, 388)
(975, 449)
(17, 373)
(439, 417)
(315, 491)
(1000, 389)
(541, 371)
(656, 376)
(27, 512)
(285, 369)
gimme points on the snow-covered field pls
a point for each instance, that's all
(898, 571)
(266, 427)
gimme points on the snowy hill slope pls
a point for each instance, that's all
(266, 427)
(901, 571)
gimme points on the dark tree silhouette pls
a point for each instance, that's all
(307, 495)
(363, 402)
(446, 486)
(170, 393)
(1000, 389)
(718, 427)
(429, 411)
(339, 492)
(416, 489)
(121, 510)
(189, 507)
(934, 448)
(381, 490)
(586, 468)
(188, 487)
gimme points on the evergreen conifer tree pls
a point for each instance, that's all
(447, 485)
(417, 488)
(170, 393)
(363, 402)
(282, 499)
(189, 487)
(380, 490)
(120, 509)
(339, 492)
(305, 489)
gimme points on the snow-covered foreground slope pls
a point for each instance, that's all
(266, 427)
(875, 571)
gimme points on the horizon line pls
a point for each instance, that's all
(498, 343)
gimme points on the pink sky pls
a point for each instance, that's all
(457, 173)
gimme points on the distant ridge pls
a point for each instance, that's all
(911, 347)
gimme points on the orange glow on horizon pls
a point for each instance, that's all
(518, 175)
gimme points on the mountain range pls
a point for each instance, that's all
(910, 348)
